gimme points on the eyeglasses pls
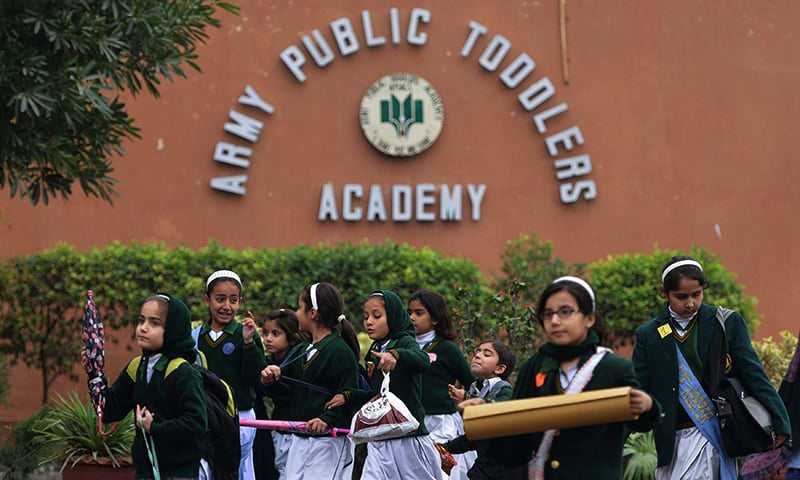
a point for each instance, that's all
(563, 313)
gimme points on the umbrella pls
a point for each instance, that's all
(286, 426)
(93, 338)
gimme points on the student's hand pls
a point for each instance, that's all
(144, 418)
(270, 375)
(386, 362)
(335, 401)
(779, 440)
(317, 426)
(640, 402)
(457, 394)
(249, 328)
(470, 402)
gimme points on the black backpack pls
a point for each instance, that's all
(221, 439)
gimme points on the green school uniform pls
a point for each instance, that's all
(237, 363)
(447, 365)
(656, 365)
(176, 401)
(406, 377)
(485, 464)
(333, 367)
(584, 452)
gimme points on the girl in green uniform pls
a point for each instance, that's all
(435, 336)
(170, 405)
(315, 371)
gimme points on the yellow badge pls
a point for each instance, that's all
(664, 330)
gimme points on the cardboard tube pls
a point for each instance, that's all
(530, 415)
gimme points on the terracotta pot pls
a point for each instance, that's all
(100, 469)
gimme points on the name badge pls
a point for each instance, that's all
(664, 330)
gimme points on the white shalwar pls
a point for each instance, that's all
(694, 458)
(247, 436)
(319, 458)
(281, 441)
(402, 459)
(447, 427)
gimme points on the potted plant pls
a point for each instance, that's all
(70, 431)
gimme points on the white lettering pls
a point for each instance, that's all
(571, 192)
(376, 210)
(450, 208)
(535, 95)
(345, 36)
(243, 126)
(573, 167)
(409, 202)
(425, 197)
(394, 18)
(564, 137)
(551, 112)
(232, 154)
(475, 31)
(369, 38)
(401, 203)
(327, 204)
(322, 58)
(252, 99)
(476, 197)
(234, 184)
(348, 213)
(293, 58)
(494, 53)
(418, 15)
(519, 69)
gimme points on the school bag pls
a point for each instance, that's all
(221, 439)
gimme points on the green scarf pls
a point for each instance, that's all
(568, 352)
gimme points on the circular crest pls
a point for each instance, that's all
(401, 114)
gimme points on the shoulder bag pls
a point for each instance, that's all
(745, 424)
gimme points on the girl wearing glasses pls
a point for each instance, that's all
(572, 361)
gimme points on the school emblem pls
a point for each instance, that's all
(401, 114)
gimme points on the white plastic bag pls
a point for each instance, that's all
(383, 417)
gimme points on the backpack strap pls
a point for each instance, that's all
(173, 365)
(133, 367)
(718, 350)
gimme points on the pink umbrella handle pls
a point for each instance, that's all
(100, 424)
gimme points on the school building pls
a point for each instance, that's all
(607, 127)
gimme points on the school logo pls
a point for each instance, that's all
(401, 114)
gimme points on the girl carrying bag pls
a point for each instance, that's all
(383, 417)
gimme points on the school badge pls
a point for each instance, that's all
(401, 114)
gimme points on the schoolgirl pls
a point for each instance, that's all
(435, 336)
(680, 335)
(572, 361)
(315, 371)
(280, 331)
(233, 350)
(394, 350)
(171, 409)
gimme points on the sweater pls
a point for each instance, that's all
(238, 364)
(447, 365)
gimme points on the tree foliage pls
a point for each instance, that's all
(63, 66)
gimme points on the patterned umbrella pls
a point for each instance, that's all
(93, 338)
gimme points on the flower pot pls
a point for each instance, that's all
(100, 469)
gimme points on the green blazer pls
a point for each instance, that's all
(656, 365)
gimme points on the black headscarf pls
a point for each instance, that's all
(396, 315)
(178, 340)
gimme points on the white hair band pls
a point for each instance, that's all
(314, 296)
(583, 284)
(681, 263)
(223, 274)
